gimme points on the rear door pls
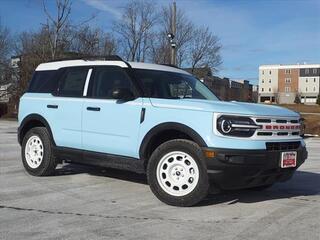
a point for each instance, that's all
(66, 106)
(109, 125)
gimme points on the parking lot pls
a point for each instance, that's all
(82, 202)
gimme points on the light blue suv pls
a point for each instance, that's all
(158, 120)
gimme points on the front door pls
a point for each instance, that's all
(109, 125)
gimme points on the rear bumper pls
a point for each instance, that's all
(235, 169)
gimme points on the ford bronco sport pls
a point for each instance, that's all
(158, 120)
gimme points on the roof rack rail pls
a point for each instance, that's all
(90, 58)
(170, 65)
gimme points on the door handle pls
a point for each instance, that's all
(97, 109)
(52, 106)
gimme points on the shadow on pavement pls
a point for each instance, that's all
(302, 184)
(72, 169)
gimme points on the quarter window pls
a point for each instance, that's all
(288, 71)
(72, 82)
(288, 80)
(44, 82)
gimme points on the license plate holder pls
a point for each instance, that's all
(288, 159)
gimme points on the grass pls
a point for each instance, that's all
(303, 108)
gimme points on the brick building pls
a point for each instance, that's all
(224, 88)
(283, 83)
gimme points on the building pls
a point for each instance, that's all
(224, 88)
(5, 93)
(284, 83)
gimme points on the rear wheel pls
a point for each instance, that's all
(177, 174)
(37, 155)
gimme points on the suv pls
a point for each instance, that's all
(158, 120)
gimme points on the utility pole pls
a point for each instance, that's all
(171, 35)
(174, 30)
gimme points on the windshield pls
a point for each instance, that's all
(171, 85)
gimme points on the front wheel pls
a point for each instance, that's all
(177, 174)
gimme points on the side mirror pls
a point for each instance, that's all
(122, 94)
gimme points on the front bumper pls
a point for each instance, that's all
(235, 169)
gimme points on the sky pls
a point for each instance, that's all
(251, 32)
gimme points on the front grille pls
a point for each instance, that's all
(277, 127)
(282, 146)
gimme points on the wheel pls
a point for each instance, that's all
(177, 173)
(37, 155)
(261, 188)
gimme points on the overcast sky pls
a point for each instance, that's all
(252, 32)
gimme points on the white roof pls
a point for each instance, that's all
(288, 66)
(137, 65)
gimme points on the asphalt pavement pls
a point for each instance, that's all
(82, 202)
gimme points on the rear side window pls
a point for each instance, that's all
(72, 82)
(44, 82)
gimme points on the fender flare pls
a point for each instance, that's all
(170, 126)
(29, 118)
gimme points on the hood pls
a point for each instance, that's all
(241, 108)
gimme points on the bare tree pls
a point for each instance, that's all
(57, 25)
(93, 41)
(161, 50)
(5, 44)
(135, 28)
(205, 49)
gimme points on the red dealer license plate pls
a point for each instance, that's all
(288, 159)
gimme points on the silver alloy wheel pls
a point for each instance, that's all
(177, 173)
(34, 151)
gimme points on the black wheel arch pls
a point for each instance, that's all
(31, 121)
(175, 127)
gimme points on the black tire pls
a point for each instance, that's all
(201, 189)
(260, 188)
(48, 163)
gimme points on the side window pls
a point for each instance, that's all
(43, 82)
(72, 82)
(106, 79)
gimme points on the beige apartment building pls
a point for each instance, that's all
(283, 83)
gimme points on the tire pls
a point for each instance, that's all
(37, 154)
(260, 188)
(186, 173)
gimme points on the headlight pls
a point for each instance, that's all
(236, 126)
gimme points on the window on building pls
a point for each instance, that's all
(314, 71)
(306, 80)
(287, 71)
(262, 89)
(269, 80)
(262, 81)
(287, 80)
(287, 89)
(270, 72)
(314, 80)
(262, 72)
(306, 89)
(306, 71)
(269, 89)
